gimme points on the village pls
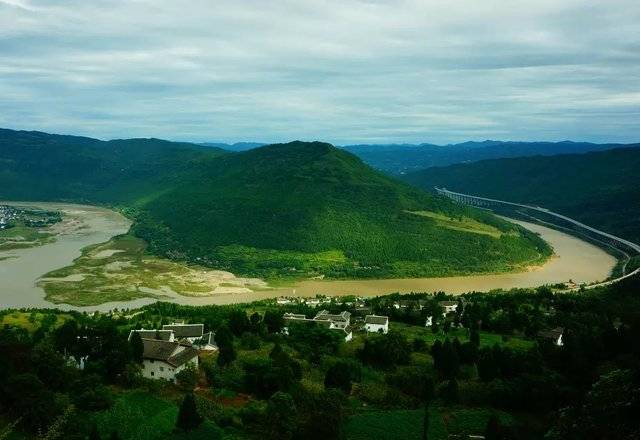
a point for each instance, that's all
(170, 349)
(11, 216)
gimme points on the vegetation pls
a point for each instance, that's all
(473, 377)
(121, 270)
(23, 228)
(297, 210)
(609, 202)
(309, 209)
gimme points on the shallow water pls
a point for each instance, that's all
(575, 259)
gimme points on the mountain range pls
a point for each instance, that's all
(286, 210)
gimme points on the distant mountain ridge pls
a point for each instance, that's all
(601, 188)
(398, 159)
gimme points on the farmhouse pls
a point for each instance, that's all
(376, 324)
(164, 359)
(339, 322)
(206, 343)
(163, 335)
(448, 306)
(190, 332)
(553, 335)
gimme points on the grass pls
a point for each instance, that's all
(30, 321)
(461, 223)
(487, 339)
(394, 425)
(122, 270)
(21, 237)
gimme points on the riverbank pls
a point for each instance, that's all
(21, 270)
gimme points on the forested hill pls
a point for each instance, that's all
(297, 209)
(313, 209)
(43, 166)
(406, 158)
(601, 189)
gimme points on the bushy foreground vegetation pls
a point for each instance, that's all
(481, 370)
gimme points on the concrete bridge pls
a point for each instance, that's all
(627, 247)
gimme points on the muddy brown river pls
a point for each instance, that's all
(574, 260)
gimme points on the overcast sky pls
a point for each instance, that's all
(341, 71)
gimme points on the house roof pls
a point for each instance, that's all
(173, 353)
(164, 335)
(375, 319)
(448, 303)
(553, 333)
(185, 330)
(324, 315)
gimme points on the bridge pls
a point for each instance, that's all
(624, 246)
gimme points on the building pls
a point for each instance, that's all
(429, 321)
(448, 306)
(340, 322)
(181, 331)
(165, 359)
(163, 335)
(206, 343)
(553, 335)
(376, 324)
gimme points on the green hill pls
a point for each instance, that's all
(601, 189)
(306, 209)
(278, 211)
(43, 166)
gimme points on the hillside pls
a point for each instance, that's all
(42, 166)
(310, 209)
(601, 189)
(398, 159)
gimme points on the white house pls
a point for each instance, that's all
(448, 306)
(164, 359)
(190, 332)
(339, 322)
(376, 324)
(429, 321)
(553, 335)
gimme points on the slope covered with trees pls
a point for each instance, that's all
(601, 189)
(313, 209)
(43, 166)
(290, 210)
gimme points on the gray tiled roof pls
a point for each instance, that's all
(374, 319)
(163, 335)
(172, 353)
(185, 330)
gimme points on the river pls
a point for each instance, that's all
(574, 259)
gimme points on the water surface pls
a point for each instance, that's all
(574, 259)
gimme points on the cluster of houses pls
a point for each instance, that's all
(339, 322)
(8, 215)
(170, 350)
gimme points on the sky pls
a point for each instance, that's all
(340, 71)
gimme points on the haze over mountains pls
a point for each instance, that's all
(398, 159)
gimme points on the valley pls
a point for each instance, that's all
(92, 266)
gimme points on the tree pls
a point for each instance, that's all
(137, 347)
(281, 417)
(188, 417)
(450, 392)
(493, 430)
(255, 321)
(449, 361)
(188, 377)
(227, 352)
(273, 320)
(474, 336)
(338, 376)
(238, 322)
(428, 397)
(94, 434)
(115, 436)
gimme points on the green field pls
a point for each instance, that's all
(21, 237)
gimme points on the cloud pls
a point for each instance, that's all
(337, 70)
